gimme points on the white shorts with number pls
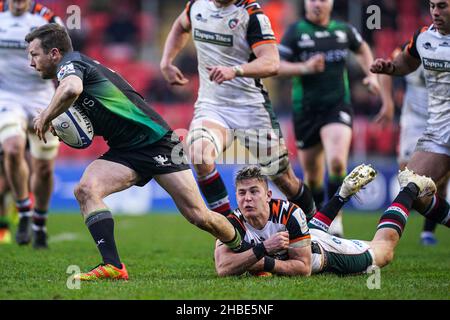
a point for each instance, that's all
(256, 128)
(16, 120)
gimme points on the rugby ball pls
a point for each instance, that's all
(74, 128)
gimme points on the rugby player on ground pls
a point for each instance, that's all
(285, 244)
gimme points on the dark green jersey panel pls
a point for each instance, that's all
(322, 91)
(117, 111)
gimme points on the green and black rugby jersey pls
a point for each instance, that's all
(118, 113)
(328, 89)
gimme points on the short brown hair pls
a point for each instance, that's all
(251, 172)
(52, 35)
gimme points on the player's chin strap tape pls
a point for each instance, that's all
(202, 133)
(276, 166)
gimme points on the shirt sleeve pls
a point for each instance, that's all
(288, 45)
(354, 37)
(71, 68)
(259, 30)
(188, 9)
(411, 48)
(298, 229)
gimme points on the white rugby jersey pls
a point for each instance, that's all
(226, 37)
(17, 78)
(433, 49)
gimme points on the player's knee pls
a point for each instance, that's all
(202, 153)
(84, 191)
(44, 171)
(203, 170)
(337, 166)
(13, 149)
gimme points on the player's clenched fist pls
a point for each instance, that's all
(382, 66)
(173, 75)
(277, 242)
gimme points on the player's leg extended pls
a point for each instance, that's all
(100, 179)
(206, 141)
(336, 139)
(5, 233)
(353, 182)
(312, 161)
(413, 187)
(13, 140)
(42, 164)
(427, 237)
(184, 191)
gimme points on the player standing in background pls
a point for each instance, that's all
(314, 52)
(413, 122)
(235, 48)
(22, 93)
(430, 46)
(142, 146)
(5, 233)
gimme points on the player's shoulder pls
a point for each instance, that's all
(39, 9)
(251, 6)
(281, 210)
(237, 219)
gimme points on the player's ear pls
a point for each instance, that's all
(269, 195)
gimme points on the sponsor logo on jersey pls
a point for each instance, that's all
(264, 23)
(220, 39)
(306, 41)
(233, 23)
(428, 46)
(216, 16)
(436, 65)
(341, 36)
(321, 34)
(199, 17)
(66, 70)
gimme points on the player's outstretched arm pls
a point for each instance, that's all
(66, 94)
(315, 64)
(175, 42)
